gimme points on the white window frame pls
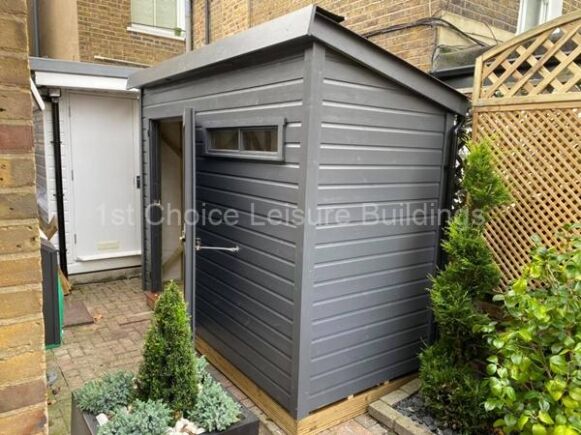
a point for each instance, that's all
(549, 9)
(273, 122)
(162, 31)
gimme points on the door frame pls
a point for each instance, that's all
(68, 150)
(152, 121)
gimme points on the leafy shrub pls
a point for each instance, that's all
(536, 369)
(150, 417)
(168, 371)
(215, 409)
(450, 383)
(106, 394)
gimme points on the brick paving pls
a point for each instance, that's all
(114, 342)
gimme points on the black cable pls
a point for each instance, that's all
(426, 22)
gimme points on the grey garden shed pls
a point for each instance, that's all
(324, 147)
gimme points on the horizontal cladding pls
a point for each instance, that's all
(242, 356)
(378, 191)
(245, 300)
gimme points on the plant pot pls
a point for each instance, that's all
(247, 425)
(83, 423)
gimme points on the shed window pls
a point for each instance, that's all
(262, 142)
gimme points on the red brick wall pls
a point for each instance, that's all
(103, 32)
(22, 362)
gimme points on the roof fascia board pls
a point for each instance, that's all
(80, 68)
(355, 47)
(287, 28)
(81, 81)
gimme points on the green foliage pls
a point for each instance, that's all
(215, 410)
(451, 391)
(168, 371)
(450, 385)
(535, 380)
(485, 189)
(150, 417)
(106, 394)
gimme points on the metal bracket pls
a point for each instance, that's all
(200, 247)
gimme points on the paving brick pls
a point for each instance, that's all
(406, 426)
(395, 396)
(384, 413)
(412, 386)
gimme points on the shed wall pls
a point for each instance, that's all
(245, 301)
(381, 161)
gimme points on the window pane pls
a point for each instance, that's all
(533, 13)
(260, 139)
(226, 139)
(166, 14)
(142, 12)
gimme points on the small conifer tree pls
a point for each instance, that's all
(451, 386)
(168, 370)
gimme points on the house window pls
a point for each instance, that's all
(535, 12)
(262, 142)
(163, 17)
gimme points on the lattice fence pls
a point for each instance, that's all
(527, 100)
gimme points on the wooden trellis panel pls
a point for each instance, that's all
(527, 100)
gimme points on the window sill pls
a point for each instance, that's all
(155, 31)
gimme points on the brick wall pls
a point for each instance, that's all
(103, 32)
(499, 13)
(22, 363)
(415, 45)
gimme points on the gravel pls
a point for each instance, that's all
(414, 408)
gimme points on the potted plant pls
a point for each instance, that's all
(172, 393)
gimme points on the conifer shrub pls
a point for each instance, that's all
(215, 409)
(168, 371)
(451, 385)
(150, 417)
(106, 394)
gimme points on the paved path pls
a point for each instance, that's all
(114, 342)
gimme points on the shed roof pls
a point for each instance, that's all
(81, 68)
(309, 23)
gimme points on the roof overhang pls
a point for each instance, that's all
(80, 75)
(309, 23)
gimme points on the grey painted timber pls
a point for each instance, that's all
(311, 310)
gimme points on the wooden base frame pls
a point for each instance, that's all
(315, 422)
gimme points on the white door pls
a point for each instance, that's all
(105, 201)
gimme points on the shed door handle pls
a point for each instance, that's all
(200, 247)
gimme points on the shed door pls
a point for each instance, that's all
(104, 168)
(157, 216)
